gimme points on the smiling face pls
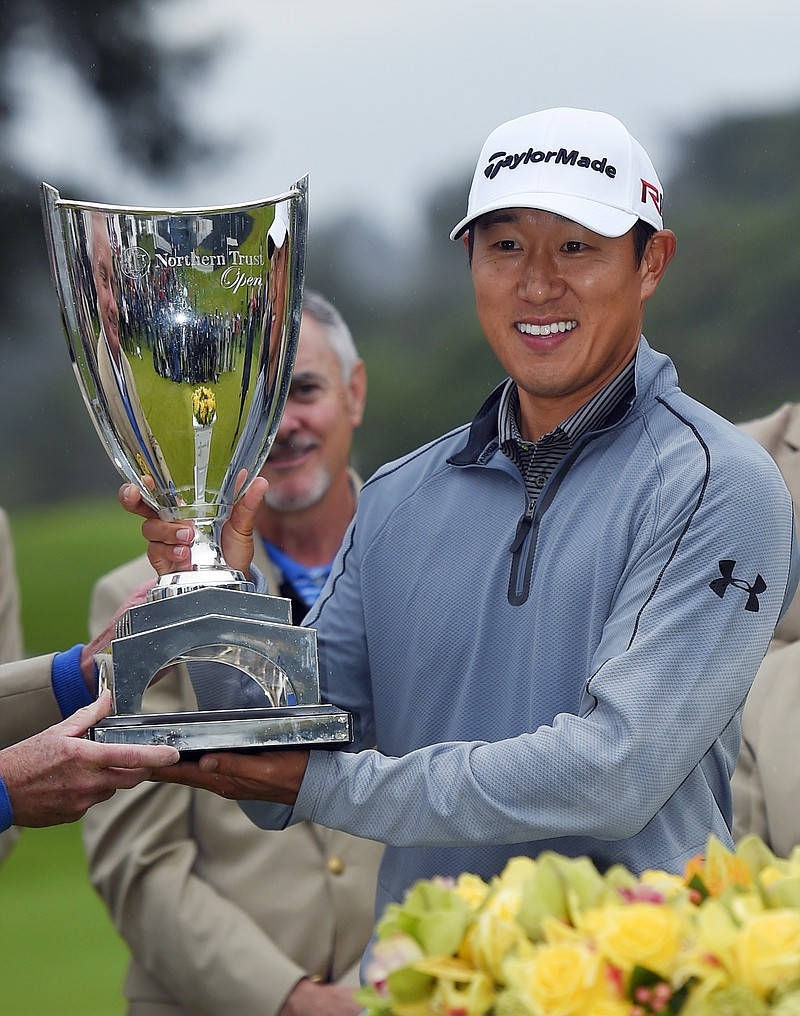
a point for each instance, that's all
(560, 305)
(312, 447)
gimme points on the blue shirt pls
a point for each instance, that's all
(306, 580)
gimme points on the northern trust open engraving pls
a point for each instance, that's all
(560, 156)
(135, 261)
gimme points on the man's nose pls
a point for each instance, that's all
(540, 280)
(290, 422)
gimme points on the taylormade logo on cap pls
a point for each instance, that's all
(562, 157)
(580, 164)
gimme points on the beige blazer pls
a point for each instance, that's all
(10, 648)
(220, 916)
(10, 630)
(766, 782)
(27, 704)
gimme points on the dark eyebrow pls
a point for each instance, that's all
(504, 216)
(498, 218)
(306, 376)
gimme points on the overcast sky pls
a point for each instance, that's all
(379, 102)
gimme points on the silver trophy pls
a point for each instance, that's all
(182, 326)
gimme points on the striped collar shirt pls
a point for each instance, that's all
(536, 460)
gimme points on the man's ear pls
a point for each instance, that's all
(657, 255)
(357, 393)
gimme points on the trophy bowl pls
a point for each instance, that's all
(182, 327)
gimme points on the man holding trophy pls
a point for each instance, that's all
(544, 623)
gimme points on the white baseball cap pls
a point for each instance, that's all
(578, 163)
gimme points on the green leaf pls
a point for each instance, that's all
(441, 931)
(407, 985)
(697, 883)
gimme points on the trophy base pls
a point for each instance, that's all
(314, 726)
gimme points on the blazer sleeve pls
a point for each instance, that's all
(766, 781)
(10, 630)
(207, 952)
(27, 702)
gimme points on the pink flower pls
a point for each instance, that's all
(641, 894)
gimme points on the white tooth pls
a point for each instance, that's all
(562, 326)
(569, 326)
(544, 330)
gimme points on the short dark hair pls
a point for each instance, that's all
(640, 232)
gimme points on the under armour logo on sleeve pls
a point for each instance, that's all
(720, 586)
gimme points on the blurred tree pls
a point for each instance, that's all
(409, 305)
(728, 311)
(133, 75)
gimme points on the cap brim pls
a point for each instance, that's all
(603, 219)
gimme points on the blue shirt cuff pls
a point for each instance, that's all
(6, 811)
(69, 686)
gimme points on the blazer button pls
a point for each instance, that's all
(335, 865)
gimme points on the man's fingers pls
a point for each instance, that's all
(238, 766)
(180, 534)
(131, 499)
(125, 779)
(136, 756)
(187, 774)
(243, 514)
(80, 721)
(168, 544)
(237, 533)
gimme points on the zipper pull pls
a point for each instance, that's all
(523, 528)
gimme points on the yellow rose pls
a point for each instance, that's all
(643, 934)
(490, 939)
(471, 998)
(766, 951)
(471, 889)
(557, 980)
(504, 902)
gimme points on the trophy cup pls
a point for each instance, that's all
(182, 327)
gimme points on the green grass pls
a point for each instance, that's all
(61, 956)
(60, 554)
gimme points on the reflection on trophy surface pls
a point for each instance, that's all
(182, 326)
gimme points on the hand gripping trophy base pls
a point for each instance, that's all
(243, 633)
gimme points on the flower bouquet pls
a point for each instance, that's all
(554, 937)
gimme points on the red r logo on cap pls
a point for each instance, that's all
(650, 190)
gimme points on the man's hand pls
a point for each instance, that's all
(310, 999)
(99, 642)
(56, 776)
(268, 776)
(169, 542)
